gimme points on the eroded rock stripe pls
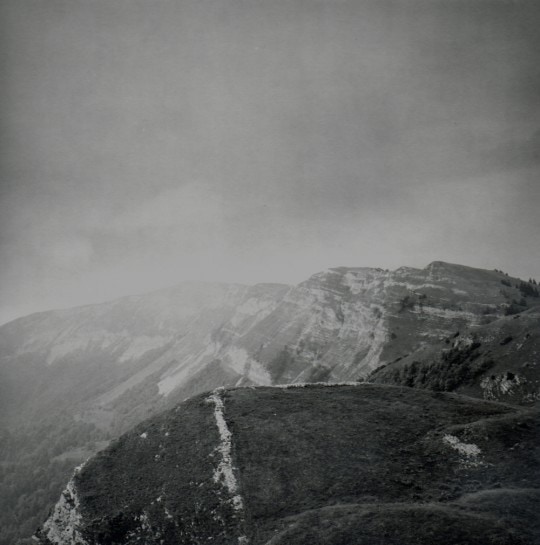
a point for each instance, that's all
(224, 473)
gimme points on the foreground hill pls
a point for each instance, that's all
(71, 380)
(312, 465)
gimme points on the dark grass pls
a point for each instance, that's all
(338, 465)
(395, 524)
(308, 448)
(167, 477)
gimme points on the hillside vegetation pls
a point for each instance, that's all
(313, 465)
(497, 361)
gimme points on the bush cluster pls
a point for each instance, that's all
(456, 367)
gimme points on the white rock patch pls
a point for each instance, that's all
(468, 451)
(62, 527)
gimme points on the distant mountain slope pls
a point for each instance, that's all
(311, 465)
(338, 325)
(349, 321)
(71, 380)
(92, 355)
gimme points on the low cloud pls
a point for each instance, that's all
(191, 208)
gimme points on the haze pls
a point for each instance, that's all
(149, 142)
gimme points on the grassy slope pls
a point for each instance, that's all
(161, 470)
(318, 468)
(339, 465)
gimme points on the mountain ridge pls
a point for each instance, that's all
(339, 324)
(89, 374)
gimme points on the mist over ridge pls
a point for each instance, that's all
(269, 272)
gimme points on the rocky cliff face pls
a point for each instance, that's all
(343, 323)
(338, 325)
(311, 465)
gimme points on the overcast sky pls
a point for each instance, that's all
(146, 142)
